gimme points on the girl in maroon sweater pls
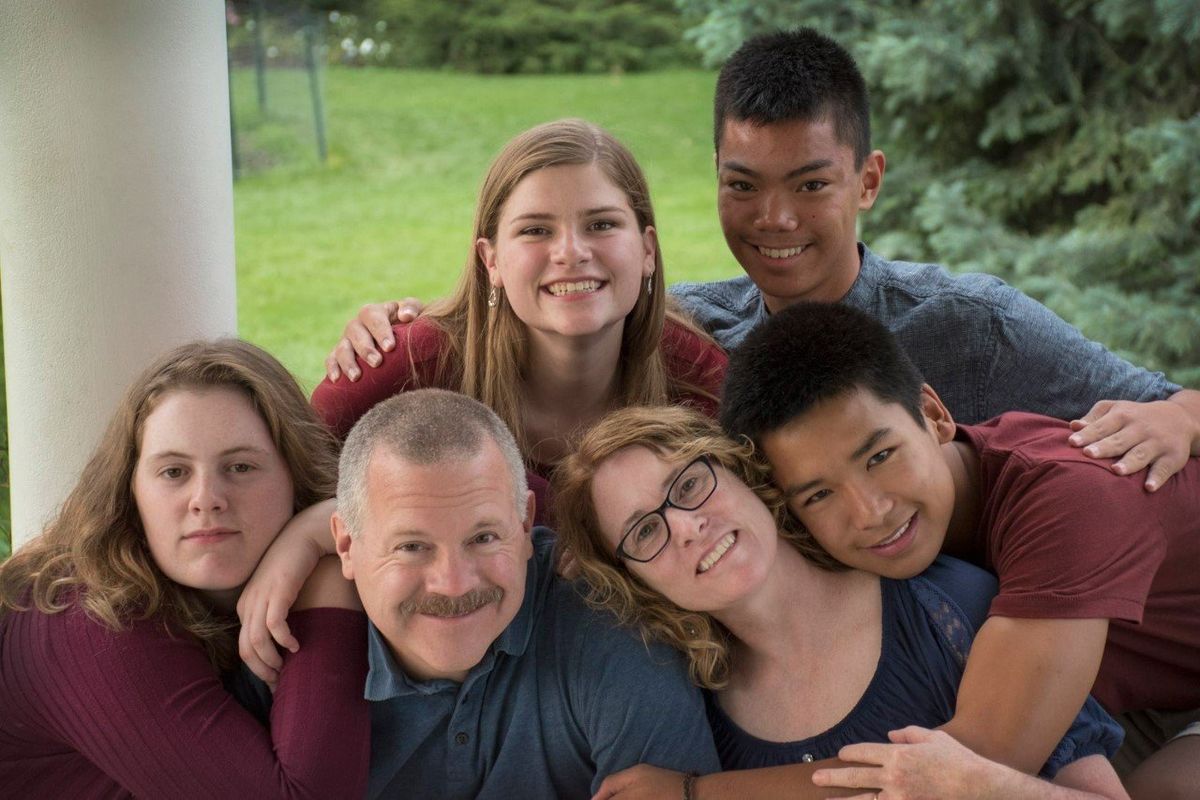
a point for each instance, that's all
(117, 624)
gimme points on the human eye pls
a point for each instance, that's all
(813, 186)
(172, 473)
(409, 547)
(534, 230)
(485, 537)
(241, 467)
(647, 530)
(880, 457)
(740, 185)
(603, 225)
(816, 497)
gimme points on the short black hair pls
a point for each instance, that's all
(809, 353)
(795, 75)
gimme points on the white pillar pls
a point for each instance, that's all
(116, 216)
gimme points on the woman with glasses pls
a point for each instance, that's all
(679, 531)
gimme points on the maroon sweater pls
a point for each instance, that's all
(86, 712)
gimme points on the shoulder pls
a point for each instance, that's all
(957, 587)
(732, 295)
(899, 285)
(1020, 440)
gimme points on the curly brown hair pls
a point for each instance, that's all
(94, 553)
(677, 434)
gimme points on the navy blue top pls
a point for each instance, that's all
(928, 624)
(562, 699)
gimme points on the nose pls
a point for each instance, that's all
(775, 213)
(868, 505)
(450, 574)
(570, 248)
(208, 493)
(686, 526)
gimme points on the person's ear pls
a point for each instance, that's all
(487, 254)
(871, 178)
(937, 416)
(527, 523)
(649, 250)
(342, 543)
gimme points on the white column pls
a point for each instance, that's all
(116, 216)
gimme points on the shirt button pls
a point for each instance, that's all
(806, 758)
(462, 738)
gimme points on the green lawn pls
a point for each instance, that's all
(390, 213)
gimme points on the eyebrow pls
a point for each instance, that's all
(223, 454)
(591, 212)
(812, 166)
(863, 449)
(666, 487)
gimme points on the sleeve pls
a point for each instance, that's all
(1092, 733)
(1071, 540)
(148, 709)
(636, 704)
(1040, 363)
(409, 366)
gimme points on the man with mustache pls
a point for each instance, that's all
(488, 676)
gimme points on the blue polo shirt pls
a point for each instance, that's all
(563, 698)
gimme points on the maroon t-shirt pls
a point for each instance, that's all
(1070, 540)
(416, 363)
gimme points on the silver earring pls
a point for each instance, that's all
(650, 286)
(493, 299)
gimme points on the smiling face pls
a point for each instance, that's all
(568, 253)
(441, 560)
(788, 196)
(211, 489)
(718, 554)
(869, 483)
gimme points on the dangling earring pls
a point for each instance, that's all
(650, 286)
(493, 299)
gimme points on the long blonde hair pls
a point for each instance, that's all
(489, 346)
(94, 553)
(677, 434)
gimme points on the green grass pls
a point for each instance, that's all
(390, 213)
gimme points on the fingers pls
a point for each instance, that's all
(409, 309)
(609, 787)
(251, 652)
(341, 361)
(1094, 413)
(362, 342)
(377, 319)
(848, 777)
(1162, 469)
(913, 734)
(1096, 426)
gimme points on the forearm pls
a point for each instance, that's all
(1189, 401)
(793, 781)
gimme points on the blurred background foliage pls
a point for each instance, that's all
(1054, 144)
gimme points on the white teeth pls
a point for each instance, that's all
(771, 252)
(573, 287)
(715, 554)
(896, 534)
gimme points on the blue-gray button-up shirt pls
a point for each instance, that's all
(983, 345)
(562, 699)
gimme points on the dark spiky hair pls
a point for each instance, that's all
(809, 353)
(795, 75)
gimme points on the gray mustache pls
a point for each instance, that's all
(439, 605)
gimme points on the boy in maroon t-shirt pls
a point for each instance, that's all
(1099, 579)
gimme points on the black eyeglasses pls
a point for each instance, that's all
(650, 534)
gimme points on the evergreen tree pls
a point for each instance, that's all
(1055, 144)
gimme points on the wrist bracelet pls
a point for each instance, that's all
(689, 780)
